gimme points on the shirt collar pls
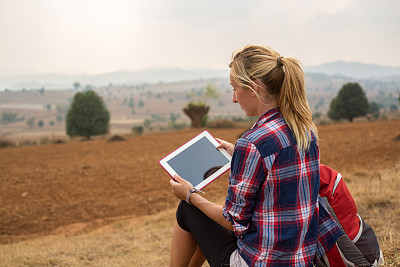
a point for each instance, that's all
(267, 116)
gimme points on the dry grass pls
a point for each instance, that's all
(376, 193)
(141, 241)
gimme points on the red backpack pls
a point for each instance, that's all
(359, 245)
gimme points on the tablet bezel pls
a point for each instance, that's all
(212, 177)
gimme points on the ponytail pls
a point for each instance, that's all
(294, 105)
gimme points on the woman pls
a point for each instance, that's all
(272, 214)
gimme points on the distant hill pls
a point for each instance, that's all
(53, 81)
(60, 81)
(354, 70)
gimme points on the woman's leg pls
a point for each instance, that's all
(215, 241)
(198, 258)
(183, 247)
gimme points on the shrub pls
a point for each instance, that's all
(221, 123)
(197, 109)
(147, 124)
(31, 122)
(6, 143)
(323, 122)
(137, 129)
(27, 143)
(393, 107)
(176, 125)
(10, 117)
(59, 117)
(317, 115)
(116, 138)
(45, 140)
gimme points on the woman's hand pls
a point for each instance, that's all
(229, 147)
(180, 187)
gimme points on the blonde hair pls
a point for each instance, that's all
(282, 77)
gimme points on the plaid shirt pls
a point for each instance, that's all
(273, 202)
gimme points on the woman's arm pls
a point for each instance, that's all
(181, 187)
(212, 210)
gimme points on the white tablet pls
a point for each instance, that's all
(199, 161)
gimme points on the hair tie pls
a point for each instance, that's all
(279, 61)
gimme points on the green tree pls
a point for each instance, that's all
(59, 117)
(197, 109)
(147, 123)
(131, 103)
(373, 109)
(141, 104)
(88, 115)
(40, 123)
(31, 122)
(138, 129)
(9, 117)
(77, 85)
(350, 102)
(63, 109)
(172, 117)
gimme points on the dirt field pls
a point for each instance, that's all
(46, 188)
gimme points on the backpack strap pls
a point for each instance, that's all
(337, 180)
(348, 250)
(360, 231)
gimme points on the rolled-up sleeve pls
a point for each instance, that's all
(246, 177)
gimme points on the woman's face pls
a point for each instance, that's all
(245, 98)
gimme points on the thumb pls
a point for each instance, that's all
(222, 144)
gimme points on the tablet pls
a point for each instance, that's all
(199, 161)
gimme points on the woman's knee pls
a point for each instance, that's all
(182, 212)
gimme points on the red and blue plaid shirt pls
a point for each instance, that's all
(273, 200)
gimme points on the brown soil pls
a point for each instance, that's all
(87, 184)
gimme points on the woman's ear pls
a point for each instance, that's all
(257, 87)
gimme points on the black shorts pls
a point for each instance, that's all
(216, 242)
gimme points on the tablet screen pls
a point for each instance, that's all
(199, 161)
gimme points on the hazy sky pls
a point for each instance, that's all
(96, 36)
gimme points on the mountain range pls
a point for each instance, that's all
(54, 81)
(354, 70)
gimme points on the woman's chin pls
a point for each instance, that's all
(246, 112)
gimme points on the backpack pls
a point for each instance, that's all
(359, 245)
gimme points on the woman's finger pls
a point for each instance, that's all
(177, 178)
